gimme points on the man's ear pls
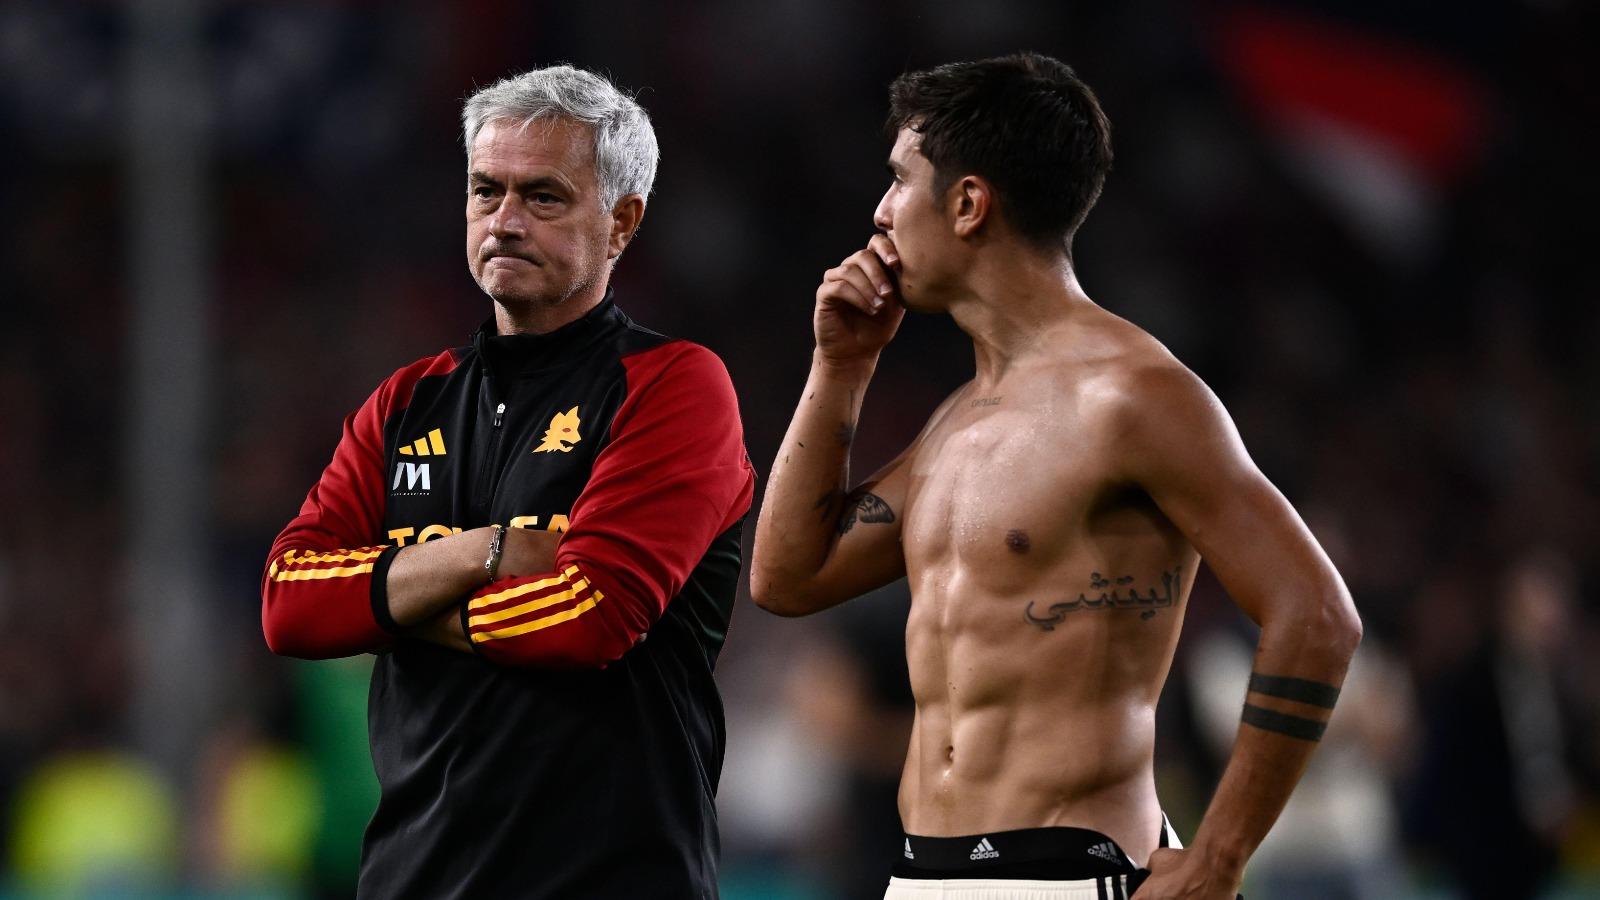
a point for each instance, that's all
(971, 201)
(625, 219)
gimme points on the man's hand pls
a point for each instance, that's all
(445, 630)
(1186, 875)
(858, 305)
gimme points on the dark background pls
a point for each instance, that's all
(1367, 225)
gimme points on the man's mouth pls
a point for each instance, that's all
(491, 257)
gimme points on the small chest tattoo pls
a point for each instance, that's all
(986, 401)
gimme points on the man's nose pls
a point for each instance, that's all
(881, 216)
(507, 221)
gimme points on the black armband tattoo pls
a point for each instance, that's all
(1300, 690)
(1284, 723)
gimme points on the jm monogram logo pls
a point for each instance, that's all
(415, 475)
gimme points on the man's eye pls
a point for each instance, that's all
(483, 192)
(542, 197)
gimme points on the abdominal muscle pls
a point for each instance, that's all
(1021, 727)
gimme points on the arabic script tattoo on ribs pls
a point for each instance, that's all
(1114, 598)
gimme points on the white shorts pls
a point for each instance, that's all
(1107, 888)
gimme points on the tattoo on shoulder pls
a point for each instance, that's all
(864, 505)
(986, 401)
(1110, 596)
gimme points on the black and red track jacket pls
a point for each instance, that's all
(576, 755)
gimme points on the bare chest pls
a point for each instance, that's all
(1002, 486)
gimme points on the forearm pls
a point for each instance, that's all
(317, 599)
(805, 494)
(427, 579)
(428, 583)
(1300, 666)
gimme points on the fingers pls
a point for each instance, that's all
(866, 289)
(1163, 858)
(871, 264)
(864, 280)
(885, 250)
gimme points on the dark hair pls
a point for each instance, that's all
(1026, 123)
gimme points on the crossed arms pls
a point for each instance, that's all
(672, 477)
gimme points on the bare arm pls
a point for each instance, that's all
(1182, 448)
(816, 544)
(428, 582)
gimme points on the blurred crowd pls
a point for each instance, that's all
(1363, 223)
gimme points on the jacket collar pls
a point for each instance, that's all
(514, 354)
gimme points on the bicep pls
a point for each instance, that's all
(1191, 461)
(1255, 542)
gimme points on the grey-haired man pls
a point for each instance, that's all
(505, 524)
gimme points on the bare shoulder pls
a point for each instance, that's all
(1159, 421)
(1129, 379)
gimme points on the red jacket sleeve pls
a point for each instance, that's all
(674, 476)
(316, 595)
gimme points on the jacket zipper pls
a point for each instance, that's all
(489, 475)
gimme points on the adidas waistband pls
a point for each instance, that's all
(1053, 853)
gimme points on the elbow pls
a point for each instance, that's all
(782, 608)
(1352, 632)
(1340, 625)
(284, 640)
(775, 597)
(766, 585)
(1322, 629)
(289, 635)
(763, 595)
(578, 649)
(591, 655)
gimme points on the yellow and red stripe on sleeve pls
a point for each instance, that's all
(516, 607)
(318, 604)
(298, 565)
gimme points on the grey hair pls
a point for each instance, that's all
(625, 150)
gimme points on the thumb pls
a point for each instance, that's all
(1163, 859)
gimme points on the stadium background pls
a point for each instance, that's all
(1367, 225)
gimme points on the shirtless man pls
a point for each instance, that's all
(1050, 517)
